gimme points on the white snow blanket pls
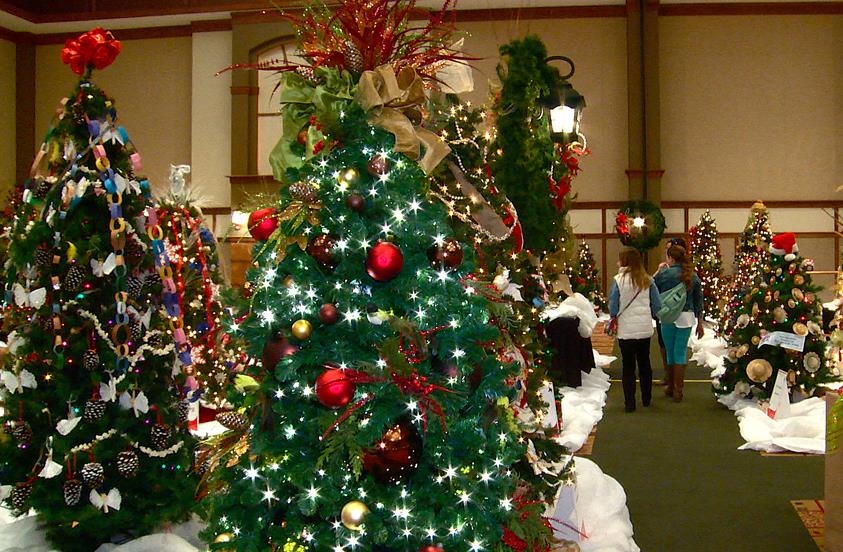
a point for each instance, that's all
(802, 431)
(593, 513)
(24, 535)
(582, 407)
(575, 306)
(709, 351)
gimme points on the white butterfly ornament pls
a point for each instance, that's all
(105, 501)
(16, 382)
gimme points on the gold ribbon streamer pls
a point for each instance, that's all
(393, 103)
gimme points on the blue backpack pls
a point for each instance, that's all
(673, 303)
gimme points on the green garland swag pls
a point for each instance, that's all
(640, 237)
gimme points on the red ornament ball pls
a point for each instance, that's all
(275, 349)
(328, 314)
(356, 203)
(301, 137)
(321, 248)
(449, 254)
(395, 455)
(431, 548)
(384, 261)
(334, 389)
(262, 223)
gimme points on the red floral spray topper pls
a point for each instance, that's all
(96, 48)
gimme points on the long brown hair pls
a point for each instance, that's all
(680, 256)
(631, 260)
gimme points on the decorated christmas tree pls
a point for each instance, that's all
(194, 257)
(532, 170)
(585, 278)
(751, 261)
(778, 326)
(705, 255)
(93, 381)
(379, 415)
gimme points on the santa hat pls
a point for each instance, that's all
(784, 244)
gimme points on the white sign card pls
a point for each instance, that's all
(779, 406)
(549, 398)
(785, 340)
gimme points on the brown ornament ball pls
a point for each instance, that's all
(301, 137)
(396, 455)
(449, 254)
(276, 348)
(328, 314)
(302, 329)
(321, 248)
(378, 165)
(356, 203)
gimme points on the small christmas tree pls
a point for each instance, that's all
(585, 278)
(379, 414)
(751, 260)
(93, 380)
(705, 255)
(782, 303)
(194, 256)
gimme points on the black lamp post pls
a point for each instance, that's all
(565, 106)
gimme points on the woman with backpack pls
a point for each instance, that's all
(682, 302)
(633, 303)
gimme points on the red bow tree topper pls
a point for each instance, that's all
(97, 48)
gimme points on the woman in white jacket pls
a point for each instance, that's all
(634, 302)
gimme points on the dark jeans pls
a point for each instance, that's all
(633, 350)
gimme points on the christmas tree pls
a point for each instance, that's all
(585, 279)
(705, 256)
(534, 172)
(379, 414)
(94, 413)
(751, 260)
(782, 303)
(194, 257)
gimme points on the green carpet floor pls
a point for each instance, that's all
(688, 487)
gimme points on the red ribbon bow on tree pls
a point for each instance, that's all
(97, 47)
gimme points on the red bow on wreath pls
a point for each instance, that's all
(622, 224)
(97, 47)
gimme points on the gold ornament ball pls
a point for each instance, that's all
(288, 281)
(348, 178)
(302, 329)
(224, 537)
(353, 514)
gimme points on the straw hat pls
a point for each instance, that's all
(759, 370)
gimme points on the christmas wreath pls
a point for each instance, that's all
(639, 224)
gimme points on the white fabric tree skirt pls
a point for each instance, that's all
(582, 407)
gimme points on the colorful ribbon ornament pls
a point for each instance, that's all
(393, 103)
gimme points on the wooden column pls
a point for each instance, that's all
(24, 105)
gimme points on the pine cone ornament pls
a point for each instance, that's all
(74, 277)
(308, 74)
(183, 410)
(353, 59)
(43, 257)
(134, 250)
(40, 189)
(127, 463)
(90, 360)
(94, 409)
(72, 492)
(45, 322)
(19, 495)
(137, 330)
(133, 286)
(93, 474)
(152, 279)
(159, 436)
(233, 420)
(304, 191)
(20, 431)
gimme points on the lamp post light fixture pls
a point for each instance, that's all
(565, 105)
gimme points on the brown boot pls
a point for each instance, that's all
(678, 382)
(668, 379)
